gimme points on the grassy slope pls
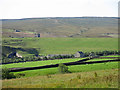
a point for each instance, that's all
(64, 45)
(93, 27)
(103, 79)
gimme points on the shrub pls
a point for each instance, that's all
(44, 58)
(95, 74)
(79, 76)
(6, 74)
(19, 75)
(63, 68)
(48, 76)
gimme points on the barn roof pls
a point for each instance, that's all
(80, 52)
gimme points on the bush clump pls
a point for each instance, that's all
(63, 68)
(6, 74)
(19, 75)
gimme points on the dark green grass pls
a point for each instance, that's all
(64, 45)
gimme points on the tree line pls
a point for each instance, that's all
(6, 60)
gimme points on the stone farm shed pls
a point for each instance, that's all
(79, 54)
(14, 54)
(53, 55)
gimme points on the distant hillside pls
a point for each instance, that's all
(61, 27)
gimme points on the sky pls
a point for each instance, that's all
(17, 9)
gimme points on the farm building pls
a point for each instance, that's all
(56, 55)
(17, 31)
(18, 55)
(79, 54)
(92, 55)
(14, 54)
(37, 35)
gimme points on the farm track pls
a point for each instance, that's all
(81, 62)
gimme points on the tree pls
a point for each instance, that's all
(6, 74)
(63, 68)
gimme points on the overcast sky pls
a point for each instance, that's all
(16, 9)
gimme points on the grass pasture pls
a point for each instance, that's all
(40, 63)
(47, 46)
(111, 56)
(97, 59)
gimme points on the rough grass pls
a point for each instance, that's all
(94, 79)
(92, 27)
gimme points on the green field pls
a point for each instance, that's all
(40, 63)
(99, 60)
(73, 69)
(47, 46)
(111, 56)
(102, 59)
